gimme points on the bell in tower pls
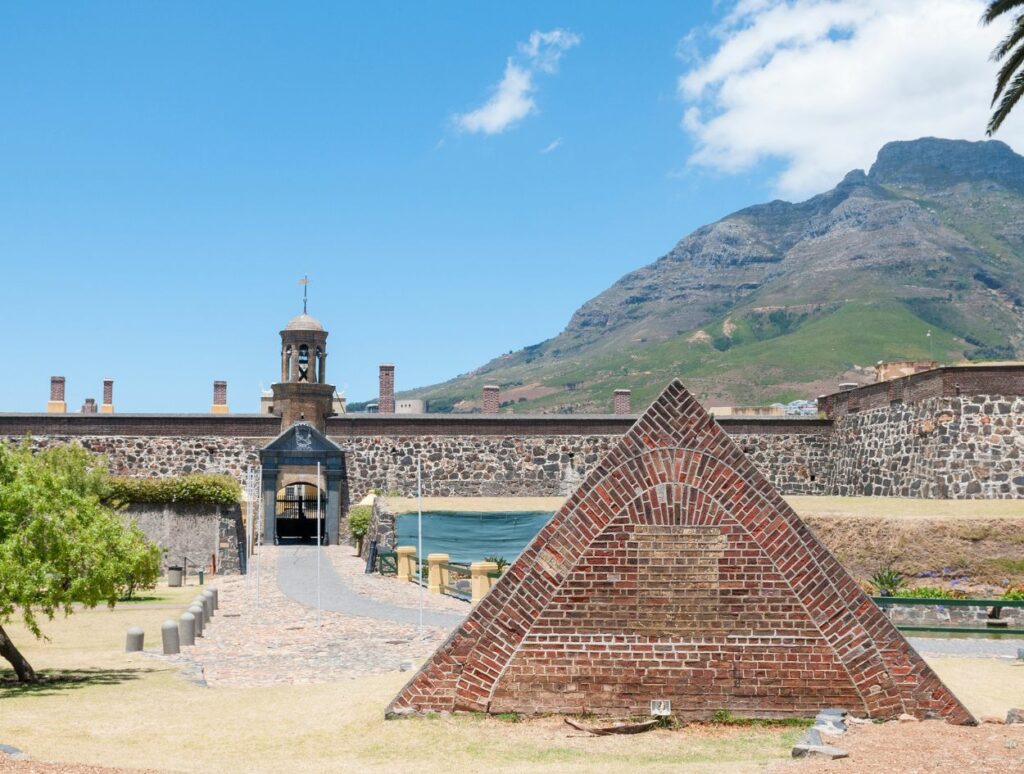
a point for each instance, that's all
(303, 393)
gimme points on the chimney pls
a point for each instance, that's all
(621, 402)
(492, 398)
(386, 397)
(56, 404)
(220, 398)
(107, 407)
(89, 407)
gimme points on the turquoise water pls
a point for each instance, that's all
(469, 537)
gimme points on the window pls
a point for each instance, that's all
(303, 363)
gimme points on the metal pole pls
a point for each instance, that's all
(419, 531)
(319, 521)
(258, 541)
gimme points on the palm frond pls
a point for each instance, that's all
(1010, 98)
(1008, 70)
(997, 8)
(1010, 41)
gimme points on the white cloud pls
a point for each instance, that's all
(821, 85)
(552, 146)
(511, 100)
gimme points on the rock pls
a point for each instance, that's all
(822, 750)
(1014, 716)
(858, 721)
(905, 718)
(842, 713)
(12, 752)
(990, 719)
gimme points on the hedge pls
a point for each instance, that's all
(195, 489)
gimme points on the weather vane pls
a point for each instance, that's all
(305, 285)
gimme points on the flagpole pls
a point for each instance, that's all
(419, 531)
(319, 522)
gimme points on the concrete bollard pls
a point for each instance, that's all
(437, 576)
(480, 581)
(204, 605)
(197, 611)
(406, 570)
(187, 629)
(134, 640)
(216, 598)
(208, 595)
(169, 636)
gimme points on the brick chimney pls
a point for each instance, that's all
(220, 398)
(386, 397)
(107, 407)
(621, 402)
(56, 404)
(492, 398)
(89, 407)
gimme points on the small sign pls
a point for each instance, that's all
(661, 708)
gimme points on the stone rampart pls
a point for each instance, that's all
(202, 534)
(940, 447)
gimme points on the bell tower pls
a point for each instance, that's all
(303, 393)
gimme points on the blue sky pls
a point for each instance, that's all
(168, 171)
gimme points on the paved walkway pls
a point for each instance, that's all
(296, 577)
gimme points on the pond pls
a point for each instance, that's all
(470, 536)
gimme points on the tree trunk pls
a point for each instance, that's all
(24, 670)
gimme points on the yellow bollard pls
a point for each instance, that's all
(479, 579)
(437, 576)
(406, 565)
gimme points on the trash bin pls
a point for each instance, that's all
(174, 575)
(201, 575)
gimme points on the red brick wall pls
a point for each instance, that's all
(491, 399)
(677, 572)
(621, 402)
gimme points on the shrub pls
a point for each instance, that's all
(1014, 593)
(194, 489)
(887, 581)
(932, 592)
(501, 561)
(359, 520)
(137, 562)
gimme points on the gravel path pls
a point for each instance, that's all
(296, 577)
(966, 646)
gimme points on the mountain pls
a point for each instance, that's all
(781, 301)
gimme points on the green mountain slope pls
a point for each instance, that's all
(781, 300)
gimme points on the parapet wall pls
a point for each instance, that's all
(929, 443)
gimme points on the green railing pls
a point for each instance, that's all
(387, 562)
(993, 625)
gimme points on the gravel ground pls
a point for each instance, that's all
(966, 646)
(929, 747)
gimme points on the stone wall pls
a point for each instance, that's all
(143, 456)
(941, 447)
(195, 532)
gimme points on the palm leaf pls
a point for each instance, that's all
(1010, 98)
(1010, 41)
(1008, 70)
(997, 8)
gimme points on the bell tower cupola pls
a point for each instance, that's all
(303, 393)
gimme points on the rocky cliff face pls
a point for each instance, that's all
(922, 255)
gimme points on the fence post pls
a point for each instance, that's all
(436, 576)
(479, 579)
(406, 570)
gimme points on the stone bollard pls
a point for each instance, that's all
(437, 576)
(134, 640)
(406, 570)
(197, 611)
(208, 595)
(216, 597)
(204, 605)
(187, 629)
(169, 636)
(481, 582)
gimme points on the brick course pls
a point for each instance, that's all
(676, 571)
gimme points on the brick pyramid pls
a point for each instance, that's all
(676, 571)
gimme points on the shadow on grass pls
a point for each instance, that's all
(53, 682)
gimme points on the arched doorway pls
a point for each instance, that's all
(299, 513)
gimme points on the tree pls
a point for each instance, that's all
(1010, 51)
(59, 544)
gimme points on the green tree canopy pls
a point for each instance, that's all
(59, 544)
